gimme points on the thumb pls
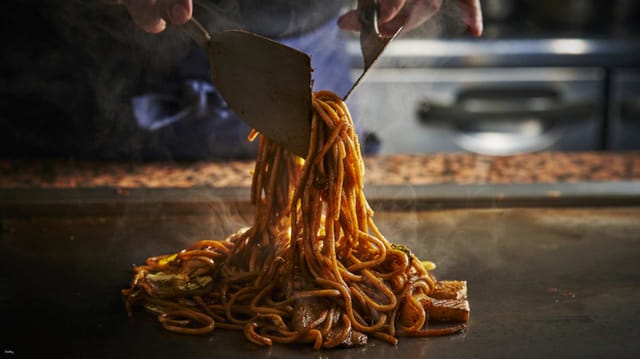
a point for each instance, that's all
(177, 12)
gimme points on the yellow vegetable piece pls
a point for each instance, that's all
(167, 260)
(428, 265)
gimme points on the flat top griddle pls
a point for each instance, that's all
(543, 282)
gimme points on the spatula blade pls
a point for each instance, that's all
(266, 83)
(371, 42)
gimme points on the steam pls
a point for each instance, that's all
(447, 23)
(81, 61)
(119, 61)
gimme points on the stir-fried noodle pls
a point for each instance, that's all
(312, 268)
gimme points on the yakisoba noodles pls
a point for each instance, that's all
(312, 268)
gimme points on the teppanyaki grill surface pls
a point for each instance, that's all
(542, 283)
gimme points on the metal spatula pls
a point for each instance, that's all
(371, 41)
(266, 83)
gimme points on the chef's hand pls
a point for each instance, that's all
(152, 15)
(412, 13)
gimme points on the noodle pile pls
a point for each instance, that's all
(313, 267)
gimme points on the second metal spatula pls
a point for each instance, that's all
(372, 43)
(266, 83)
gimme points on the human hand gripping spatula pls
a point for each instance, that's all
(269, 84)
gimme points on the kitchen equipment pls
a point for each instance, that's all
(266, 83)
(547, 279)
(544, 76)
(483, 110)
(371, 41)
(624, 111)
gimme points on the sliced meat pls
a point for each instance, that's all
(448, 310)
(307, 310)
(450, 289)
(353, 338)
(356, 339)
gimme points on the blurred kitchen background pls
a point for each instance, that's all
(545, 75)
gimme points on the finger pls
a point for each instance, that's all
(414, 14)
(145, 14)
(178, 12)
(350, 21)
(389, 28)
(472, 16)
(389, 9)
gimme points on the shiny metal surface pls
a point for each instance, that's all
(497, 111)
(507, 52)
(555, 282)
(624, 110)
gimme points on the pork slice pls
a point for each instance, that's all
(450, 289)
(306, 310)
(448, 310)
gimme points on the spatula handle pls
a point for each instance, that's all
(198, 33)
(369, 12)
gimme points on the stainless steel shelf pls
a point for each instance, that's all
(506, 52)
